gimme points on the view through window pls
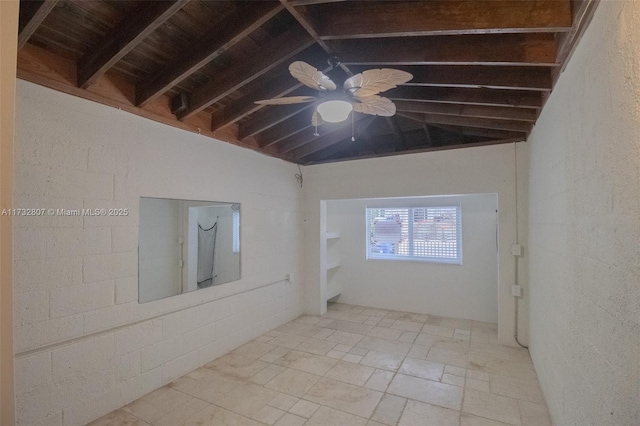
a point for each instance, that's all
(415, 233)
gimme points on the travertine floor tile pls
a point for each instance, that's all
(304, 408)
(283, 402)
(214, 415)
(268, 415)
(327, 416)
(418, 351)
(118, 418)
(379, 380)
(428, 391)
(350, 327)
(156, 404)
(266, 374)
(212, 389)
(418, 413)
(274, 354)
(494, 407)
(182, 413)
(533, 414)
(419, 368)
(386, 346)
(293, 382)
(349, 372)
(345, 338)
(445, 356)
(357, 366)
(247, 399)
(385, 333)
(389, 410)
(452, 380)
(471, 420)
(288, 340)
(479, 385)
(382, 360)
(524, 389)
(315, 346)
(237, 365)
(291, 420)
(254, 349)
(309, 363)
(344, 397)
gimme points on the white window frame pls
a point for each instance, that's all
(410, 235)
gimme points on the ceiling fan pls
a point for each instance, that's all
(360, 92)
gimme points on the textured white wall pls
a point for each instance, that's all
(480, 170)
(585, 228)
(84, 346)
(469, 290)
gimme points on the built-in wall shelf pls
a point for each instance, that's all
(331, 285)
(333, 265)
(333, 293)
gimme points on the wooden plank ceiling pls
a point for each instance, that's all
(482, 69)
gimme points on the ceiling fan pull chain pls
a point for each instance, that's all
(353, 132)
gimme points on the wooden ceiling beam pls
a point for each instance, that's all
(302, 16)
(491, 97)
(124, 38)
(478, 111)
(451, 145)
(473, 49)
(32, 14)
(360, 19)
(295, 124)
(246, 105)
(312, 2)
(330, 139)
(476, 76)
(235, 27)
(470, 131)
(274, 53)
(483, 123)
(401, 144)
(291, 143)
(283, 86)
(268, 118)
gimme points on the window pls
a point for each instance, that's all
(415, 233)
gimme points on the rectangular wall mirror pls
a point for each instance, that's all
(186, 245)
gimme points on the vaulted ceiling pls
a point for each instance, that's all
(482, 69)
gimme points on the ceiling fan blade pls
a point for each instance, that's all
(372, 82)
(287, 101)
(316, 119)
(376, 105)
(311, 77)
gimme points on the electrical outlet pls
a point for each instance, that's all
(290, 277)
(516, 250)
(516, 291)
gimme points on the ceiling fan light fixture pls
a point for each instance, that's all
(335, 111)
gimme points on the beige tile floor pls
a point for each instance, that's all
(355, 366)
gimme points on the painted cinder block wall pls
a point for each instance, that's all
(584, 227)
(477, 170)
(84, 346)
(468, 290)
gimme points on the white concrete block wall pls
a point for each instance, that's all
(480, 170)
(84, 346)
(584, 227)
(468, 290)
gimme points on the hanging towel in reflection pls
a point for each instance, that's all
(206, 254)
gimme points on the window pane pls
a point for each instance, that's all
(423, 233)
